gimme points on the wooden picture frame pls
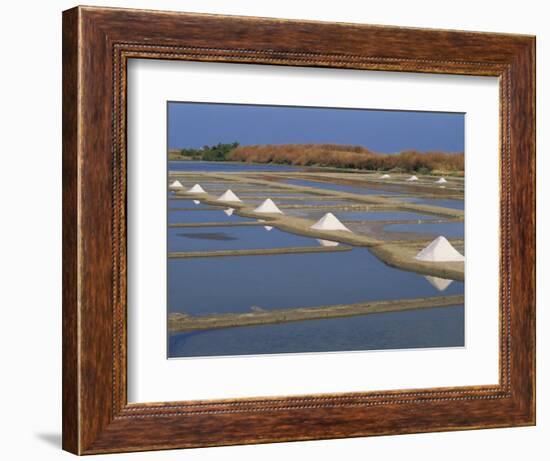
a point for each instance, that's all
(97, 43)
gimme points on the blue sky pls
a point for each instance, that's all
(198, 124)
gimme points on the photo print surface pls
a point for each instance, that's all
(313, 229)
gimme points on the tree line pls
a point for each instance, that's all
(216, 153)
(328, 155)
(344, 156)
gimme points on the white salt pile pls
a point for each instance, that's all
(329, 222)
(440, 250)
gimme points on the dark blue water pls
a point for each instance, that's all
(447, 203)
(200, 216)
(273, 195)
(220, 166)
(434, 327)
(180, 203)
(221, 187)
(360, 215)
(201, 286)
(232, 238)
(290, 201)
(340, 187)
(447, 229)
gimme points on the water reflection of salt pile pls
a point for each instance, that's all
(197, 202)
(268, 228)
(229, 211)
(328, 243)
(438, 283)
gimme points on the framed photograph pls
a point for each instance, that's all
(284, 230)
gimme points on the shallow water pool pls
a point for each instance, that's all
(233, 238)
(201, 286)
(340, 187)
(447, 229)
(360, 215)
(447, 203)
(186, 203)
(432, 327)
(205, 216)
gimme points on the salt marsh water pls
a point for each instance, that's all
(178, 203)
(442, 327)
(232, 238)
(447, 229)
(289, 280)
(447, 203)
(294, 201)
(205, 216)
(362, 215)
(238, 284)
(340, 187)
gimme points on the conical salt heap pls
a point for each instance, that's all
(329, 222)
(196, 202)
(441, 181)
(268, 206)
(438, 283)
(228, 196)
(196, 189)
(385, 176)
(328, 243)
(440, 250)
(229, 211)
(176, 186)
(268, 228)
(412, 178)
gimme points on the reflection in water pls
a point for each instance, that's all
(328, 243)
(438, 283)
(241, 238)
(220, 236)
(229, 211)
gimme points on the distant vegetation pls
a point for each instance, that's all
(217, 153)
(329, 155)
(344, 156)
